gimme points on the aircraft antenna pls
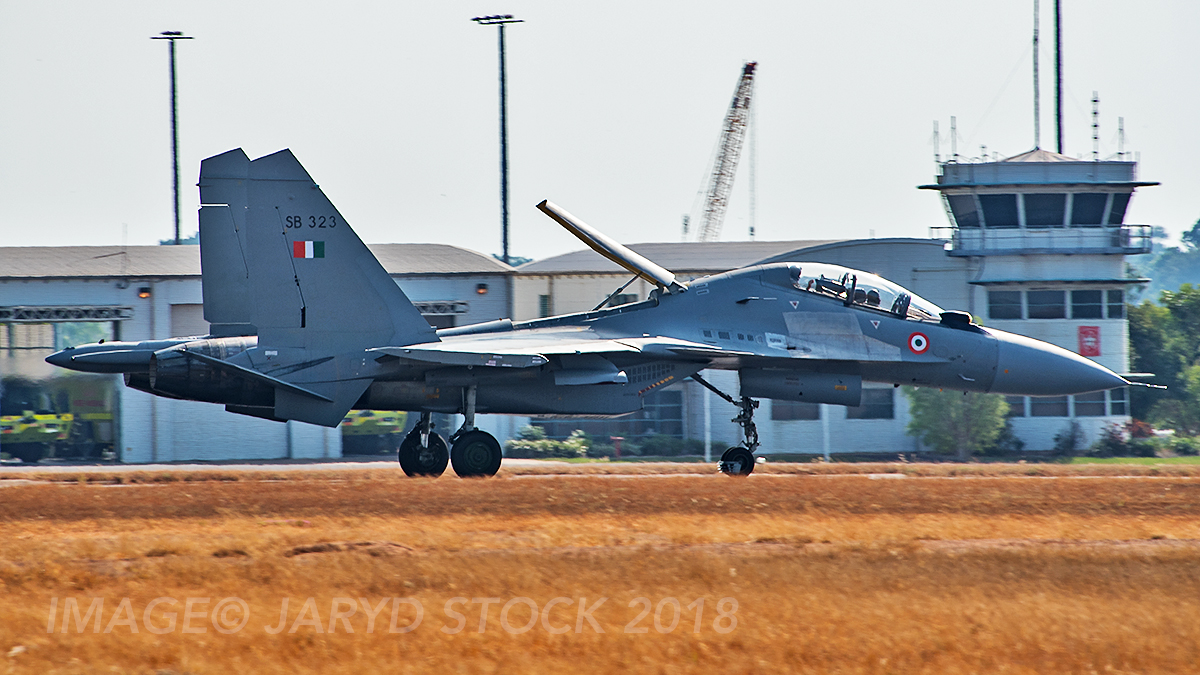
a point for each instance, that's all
(733, 134)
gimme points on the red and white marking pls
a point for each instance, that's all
(918, 343)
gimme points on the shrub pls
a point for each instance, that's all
(1113, 442)
(544, 448)
(661, 445)
(1067, 441)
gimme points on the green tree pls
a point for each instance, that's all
(1182, 411)
(1164, 339)
(1152, 350)
(954, 422)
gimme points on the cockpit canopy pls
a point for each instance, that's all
(862, 289)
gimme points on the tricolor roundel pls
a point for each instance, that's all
(308, 249)
(918, 343)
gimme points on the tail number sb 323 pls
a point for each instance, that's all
(320, 222)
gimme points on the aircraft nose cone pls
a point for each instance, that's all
(62, 359)
(1035, 368)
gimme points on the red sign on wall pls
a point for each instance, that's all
(1089, 341)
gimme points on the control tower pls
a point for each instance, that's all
(1045, 237)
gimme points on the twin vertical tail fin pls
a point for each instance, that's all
(281, 262)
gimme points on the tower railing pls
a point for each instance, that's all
(1078, 239)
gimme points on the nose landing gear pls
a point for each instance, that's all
(738, 460)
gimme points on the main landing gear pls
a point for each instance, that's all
(474, 453)
(423, 452)
(738, 460)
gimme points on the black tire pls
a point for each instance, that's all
(28, 453)
(737, 461)
(476, 454)
(417, 461)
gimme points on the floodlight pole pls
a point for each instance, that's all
(171, 36)
(500, 20)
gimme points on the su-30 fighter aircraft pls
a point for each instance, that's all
(306, 325)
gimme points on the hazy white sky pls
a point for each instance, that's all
(614, 108)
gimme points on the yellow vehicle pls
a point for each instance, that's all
(61, 417)
(372, 432)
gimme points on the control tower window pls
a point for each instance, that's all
(1004, 304)
(1088, 208)
(999, 211)
(1116, 304)
(963, 207)
(1047, 304)
(1044, 210)
(1087, 305)
(1120, 202)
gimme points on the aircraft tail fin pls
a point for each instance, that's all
(225, 275)
(280, 261)
(294, 269)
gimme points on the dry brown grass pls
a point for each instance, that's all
(831, 574)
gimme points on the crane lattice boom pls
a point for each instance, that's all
(732, 135)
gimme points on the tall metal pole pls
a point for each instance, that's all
(171, 37)
(500, 20)
(503, 151)
(1058, 72)
(1037, 89)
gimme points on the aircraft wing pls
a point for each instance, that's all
(528, 349)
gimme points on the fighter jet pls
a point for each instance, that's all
(306, 324)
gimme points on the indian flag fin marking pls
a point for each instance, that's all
(308, 249)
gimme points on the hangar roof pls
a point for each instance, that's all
(48, 262)
(679, 257)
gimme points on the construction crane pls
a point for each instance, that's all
(733, 133)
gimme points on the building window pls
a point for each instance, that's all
(1116, 304)
(544, 307)
(1087, 304)
(999, 211)
(795, 410)
(1016, 406)
(963, 208)
(1087, 208)
(1049, 406)
(1004, 304)
(1120, 202)
(440, 320)
(876, 405)
(1047, 304)
(1045, 210)
(1089, 405)
(1117, 401)
(623, 299)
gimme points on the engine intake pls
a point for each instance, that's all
(174, 372)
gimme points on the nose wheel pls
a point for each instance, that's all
(423, 452)
(738, 460)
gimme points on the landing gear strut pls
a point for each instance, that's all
(474, 453)
(738, 460)
(423, 452)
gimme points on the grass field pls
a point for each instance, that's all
(1149, 461)
(901, 570)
